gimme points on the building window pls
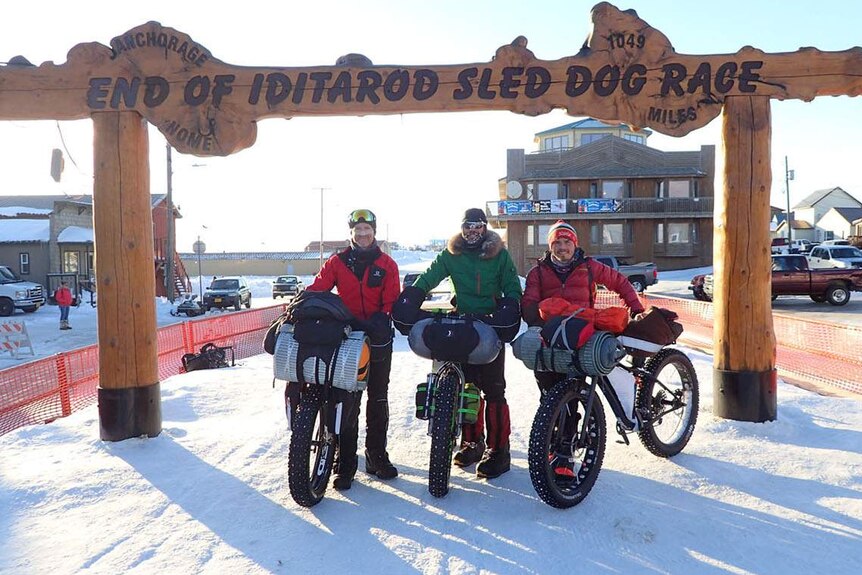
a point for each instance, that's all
(24, 263)
(531, 235)
(549, 191)
(556, 143)
(614, 189)
(659, 233)
(610, 234)
(70, 262)
(679, 233)
(91, 262)
(674, 189)
(636, 138)
(588, 138)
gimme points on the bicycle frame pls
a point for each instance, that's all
(437, 368)
(624, 424)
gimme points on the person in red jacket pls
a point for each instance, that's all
(368, 284)
(565, 272)
(63, 297)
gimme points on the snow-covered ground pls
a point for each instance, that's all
(209, 494)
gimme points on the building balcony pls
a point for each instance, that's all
(601, 208)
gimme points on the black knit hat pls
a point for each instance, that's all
(474, 215)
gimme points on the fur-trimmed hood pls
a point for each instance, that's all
(492, 245)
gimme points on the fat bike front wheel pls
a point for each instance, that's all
(668, 398)
(312, 450)
(443, 433)
(566, 447)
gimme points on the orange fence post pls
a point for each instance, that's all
(63, 384)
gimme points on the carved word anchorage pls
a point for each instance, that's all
(626, 72)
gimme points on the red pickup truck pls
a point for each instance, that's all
(792, 276)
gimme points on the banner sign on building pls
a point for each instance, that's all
(598, 205)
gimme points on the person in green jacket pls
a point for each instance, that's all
(485, 281)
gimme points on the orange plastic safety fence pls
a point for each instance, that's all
(43, 390)
(824, 354)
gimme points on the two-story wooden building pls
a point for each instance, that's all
(44, 236)
(623, 197)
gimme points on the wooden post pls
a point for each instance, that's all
(129, 402)
(744, 375)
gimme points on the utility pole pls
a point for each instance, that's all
(320, 245)
(788, 175)
(169, 249)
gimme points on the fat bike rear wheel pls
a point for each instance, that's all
(312, 450)
(443, 433)
(668, 399)
(562, 430)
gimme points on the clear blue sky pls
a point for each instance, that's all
(265, 197)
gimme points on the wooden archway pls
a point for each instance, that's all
(626, 72)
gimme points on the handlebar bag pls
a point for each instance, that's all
(455, 339)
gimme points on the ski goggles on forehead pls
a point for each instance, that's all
(472, 225)
(360, 216)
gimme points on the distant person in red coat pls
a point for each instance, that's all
(368, 283)
(63, 297)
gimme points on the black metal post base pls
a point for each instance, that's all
(745, 395)
(129, 412)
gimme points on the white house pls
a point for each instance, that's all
(838, 222)
(814, 207)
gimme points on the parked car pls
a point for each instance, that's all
(226, 292)
(783, 246)
(640, 275)
(841, 242)
(801, 246)
(792, 276)
(835, 256)
(16, 293)
(287, 286)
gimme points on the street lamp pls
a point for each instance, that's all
(169, 248)
(788, 175)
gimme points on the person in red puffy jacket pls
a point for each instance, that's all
(566, 272)
(368, 284)
(63, 297)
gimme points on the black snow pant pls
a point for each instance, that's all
(491, 381)
(377, 406)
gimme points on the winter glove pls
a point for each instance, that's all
(378, 329)
(506, 319)
(406, 309)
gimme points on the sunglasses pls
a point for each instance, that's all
(472, 225)
(359, 216)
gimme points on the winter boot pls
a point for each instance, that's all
(377, 463)
(344, 473)
(495, 462)
(472, 440)
(469, 453)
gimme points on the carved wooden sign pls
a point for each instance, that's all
(626, 71)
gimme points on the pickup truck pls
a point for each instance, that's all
(16, 293)
(640, 275)
(792, 276)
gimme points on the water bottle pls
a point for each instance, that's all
(623, 383)
(469, 403)
(422, 407)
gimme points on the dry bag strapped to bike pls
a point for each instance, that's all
(650, 331)
(460, 340)
(318, 346)
(568, 346)
(210, 356)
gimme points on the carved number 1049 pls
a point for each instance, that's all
(619, 40)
